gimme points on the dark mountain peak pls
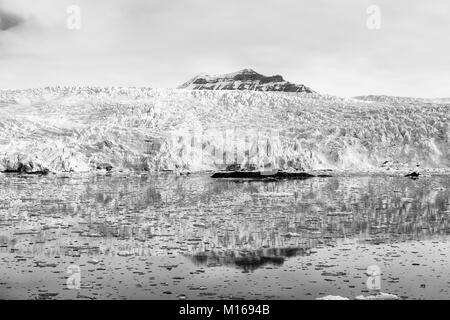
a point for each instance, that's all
(245, 79)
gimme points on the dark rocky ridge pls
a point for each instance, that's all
(272, 176)
(246, 79)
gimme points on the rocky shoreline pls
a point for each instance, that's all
(264, 175)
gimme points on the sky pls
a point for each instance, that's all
(325, 44)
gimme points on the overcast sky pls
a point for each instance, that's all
(324, 44)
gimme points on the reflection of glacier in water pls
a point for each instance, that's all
(246, 224)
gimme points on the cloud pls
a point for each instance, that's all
(324, 44)
(9, 20)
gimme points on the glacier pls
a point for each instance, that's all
(80, 129)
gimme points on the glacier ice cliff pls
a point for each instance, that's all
(76, 129)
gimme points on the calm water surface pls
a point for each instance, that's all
(191, 237)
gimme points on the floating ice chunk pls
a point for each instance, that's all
(94, 261)
(331, 297)
(291, 235)
(379, 296)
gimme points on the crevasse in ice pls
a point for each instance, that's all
(77, 129)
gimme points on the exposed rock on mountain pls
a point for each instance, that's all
(246, 79)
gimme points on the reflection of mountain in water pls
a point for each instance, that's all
(248, 260)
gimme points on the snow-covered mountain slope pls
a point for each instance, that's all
(246, 79)
(399, 100)
(83, 129)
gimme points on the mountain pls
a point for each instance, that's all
(246, 79)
